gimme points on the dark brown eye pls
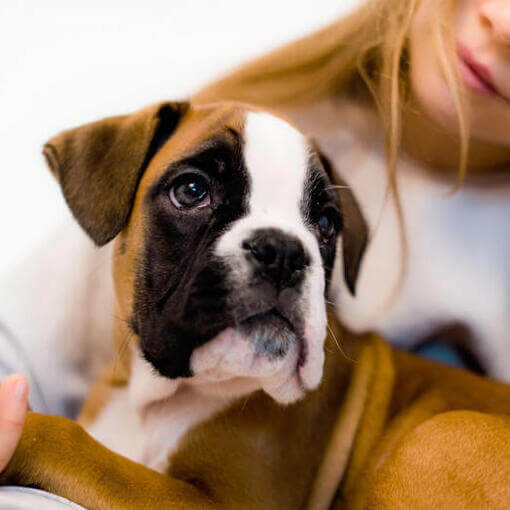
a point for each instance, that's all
(326, 227)
(190, 191)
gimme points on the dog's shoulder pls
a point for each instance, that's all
(392, 398)
(456, 388)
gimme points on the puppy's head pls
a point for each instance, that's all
(227, 224)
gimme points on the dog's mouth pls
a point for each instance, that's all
(272, 319)
(274, 335)
(267, 348)
(272, 346)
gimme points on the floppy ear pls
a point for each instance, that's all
(355, 229)
(99, 165)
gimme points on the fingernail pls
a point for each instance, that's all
(21, 389)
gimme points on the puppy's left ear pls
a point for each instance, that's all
(355, 229)
(99, 165)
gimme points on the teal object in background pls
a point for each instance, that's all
(442, 353)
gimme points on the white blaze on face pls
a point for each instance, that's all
(276, 158)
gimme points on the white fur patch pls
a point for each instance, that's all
(276, 158)
(146, 420)
(230, 357)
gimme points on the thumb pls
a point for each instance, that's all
(13, 411)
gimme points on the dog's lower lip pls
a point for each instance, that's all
(267, 314)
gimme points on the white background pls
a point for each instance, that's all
(64, 63)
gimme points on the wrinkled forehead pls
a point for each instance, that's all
(198, 130)
(276, 164)
(270, 146)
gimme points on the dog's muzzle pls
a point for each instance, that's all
(274, 340)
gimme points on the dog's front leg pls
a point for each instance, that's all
(57, 455)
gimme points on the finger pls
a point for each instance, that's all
(13, 411)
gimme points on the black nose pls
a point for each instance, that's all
(277, 257)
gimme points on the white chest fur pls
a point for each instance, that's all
(146, 420)
(458, 266)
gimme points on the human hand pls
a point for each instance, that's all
(13, 411)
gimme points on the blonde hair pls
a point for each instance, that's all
(363, 56)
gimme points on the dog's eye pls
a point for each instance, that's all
(326, 227)
(190, 191)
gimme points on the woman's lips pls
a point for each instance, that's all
(475, 75)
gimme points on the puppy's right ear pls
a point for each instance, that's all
(99, 165)
(355, 228)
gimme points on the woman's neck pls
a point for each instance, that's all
(426, 141)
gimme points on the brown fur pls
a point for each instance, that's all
(383, 430)
(425, 436)
(101, 163)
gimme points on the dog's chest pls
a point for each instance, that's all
(153, 436)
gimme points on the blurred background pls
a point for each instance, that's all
(66, 63)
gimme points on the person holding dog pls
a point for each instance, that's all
(389, 54)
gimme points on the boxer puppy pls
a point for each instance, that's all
(228, 229)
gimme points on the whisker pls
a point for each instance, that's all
(125, 343)
(244, 404)
(337, 186)
(338, 344)
(125, 321)
(121, 350)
